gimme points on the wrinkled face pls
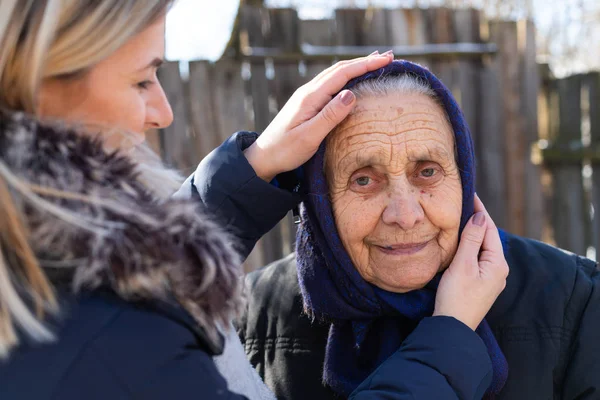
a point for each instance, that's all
(121, 92)
(396, 190)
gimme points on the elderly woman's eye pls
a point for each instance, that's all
(428, 172)
(363, 181)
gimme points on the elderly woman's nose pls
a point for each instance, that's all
(403, 209)
(159, 113)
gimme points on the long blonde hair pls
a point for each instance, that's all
(41, 39)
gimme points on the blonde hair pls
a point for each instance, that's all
(42, 39)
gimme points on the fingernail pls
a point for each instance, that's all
(347, 97)
(388, 53)
(479, 219)
(374, 53)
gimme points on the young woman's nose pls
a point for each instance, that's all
(159, 113)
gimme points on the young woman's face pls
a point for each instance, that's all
(121, 92)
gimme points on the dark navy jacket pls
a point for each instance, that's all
(111, 349)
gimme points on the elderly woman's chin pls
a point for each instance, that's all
(404, 268)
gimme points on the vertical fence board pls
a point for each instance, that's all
(417, 32)
(360, 27)
(490, 146)
(175, 138)
(407, 27)
(202, 112)
(567, 211)
(228, 93)
(505, 35)
(440, 26)
(317, 33)
(593, 83)
(530, 84)
(466, 23)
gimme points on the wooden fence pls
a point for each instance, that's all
(497, 87)
(570, 152)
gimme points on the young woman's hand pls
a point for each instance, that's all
(477, 275)
(295, 134)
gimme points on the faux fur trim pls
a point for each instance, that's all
(121, 235)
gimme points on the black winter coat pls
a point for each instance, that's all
(547, 322)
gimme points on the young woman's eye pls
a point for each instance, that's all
(144, 84)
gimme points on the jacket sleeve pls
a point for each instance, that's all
(243, 203)
(441, 359)
(582, 317)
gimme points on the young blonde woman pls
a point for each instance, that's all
(110, 286)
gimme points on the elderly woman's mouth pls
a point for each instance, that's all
(402, 248)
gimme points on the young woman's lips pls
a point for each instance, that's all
(403, 249)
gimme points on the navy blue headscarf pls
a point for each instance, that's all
(366, 320)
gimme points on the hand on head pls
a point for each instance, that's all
(295, 134)
(477, 275)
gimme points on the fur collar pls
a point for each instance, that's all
(88, 212)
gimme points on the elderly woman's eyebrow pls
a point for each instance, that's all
(431, 153)
(360, 159)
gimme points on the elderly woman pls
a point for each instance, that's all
(389, 194)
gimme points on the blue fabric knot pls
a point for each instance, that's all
(368, 323)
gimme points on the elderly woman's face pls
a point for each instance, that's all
(395, 189)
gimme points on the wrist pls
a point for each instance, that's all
(437, 313)
(258, 161)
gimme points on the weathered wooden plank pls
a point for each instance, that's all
(491, 167)
(362, 27)
(253, 23)
(229, 99)
(466, 24)
(350, 26)
(593, 83)
(479, 96)
(504, 34)
(568, 213)
(202, 111)
(176, 139)
(530, 85)
(416, 31)
(440, 28)
(317, 33)
(546, 116)
(284, 35)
